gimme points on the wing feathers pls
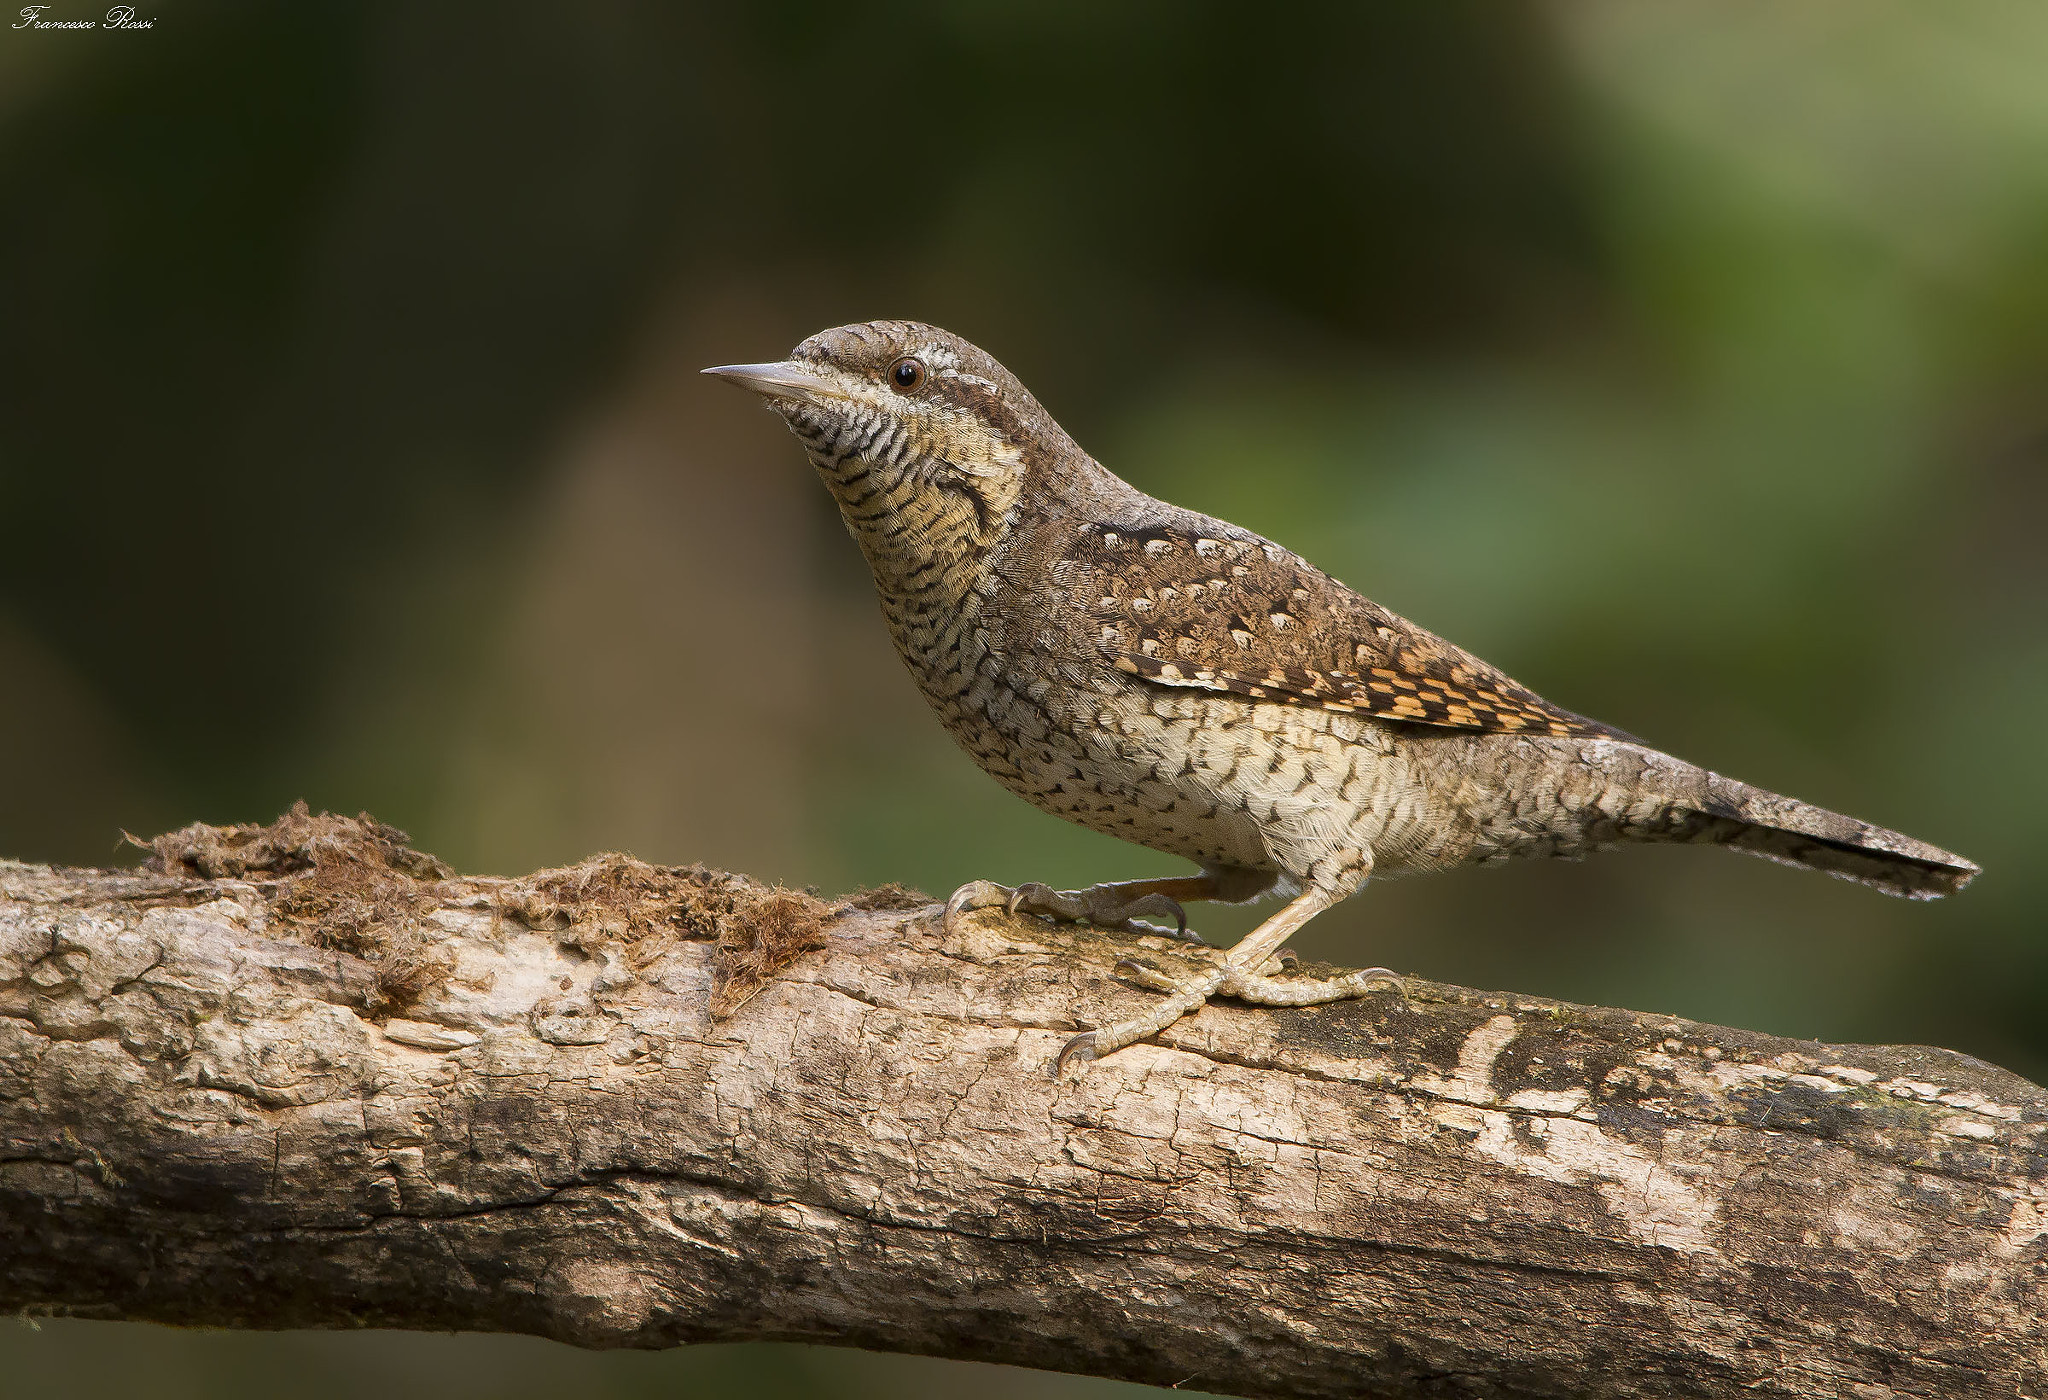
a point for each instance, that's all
(1243, 615)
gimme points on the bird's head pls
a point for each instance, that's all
(924, 439)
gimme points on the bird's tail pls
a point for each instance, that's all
(1723, 812)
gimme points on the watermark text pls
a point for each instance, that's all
(120, 17)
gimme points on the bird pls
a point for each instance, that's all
(1174, 680)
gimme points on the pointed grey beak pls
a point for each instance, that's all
(785, 379)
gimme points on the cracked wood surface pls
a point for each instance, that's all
(1442, 1193)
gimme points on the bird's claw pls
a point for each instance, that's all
(1144, 974)
(975, 894)
(1163, 906)
(1081, 1047)
(1032, 897)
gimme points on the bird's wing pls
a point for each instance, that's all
(1236, 613)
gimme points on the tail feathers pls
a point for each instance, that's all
(1796, 833)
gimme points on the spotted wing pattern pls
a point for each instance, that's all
(1234, 612)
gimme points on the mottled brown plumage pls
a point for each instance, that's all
(1229, 611)
(1176, 681)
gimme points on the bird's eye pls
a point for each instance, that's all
(907, 375)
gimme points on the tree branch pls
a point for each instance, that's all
(322, 1082)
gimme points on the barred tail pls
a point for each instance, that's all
(1768, 824)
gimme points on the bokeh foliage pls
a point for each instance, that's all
(1686, 360)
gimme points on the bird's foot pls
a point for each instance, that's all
(1105, 906)
(1185, 994)
(1182, 997)
(1146, 975)
(1308, 991)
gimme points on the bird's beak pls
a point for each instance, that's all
(784, 380)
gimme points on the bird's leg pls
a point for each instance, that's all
(1237, 973)
(1114, 906)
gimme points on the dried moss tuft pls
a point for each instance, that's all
(355, 884)
(640, 909)
(890, 898)
(761, 938)
(350, 883)
(297, 842)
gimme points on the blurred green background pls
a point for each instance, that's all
(1689, 361)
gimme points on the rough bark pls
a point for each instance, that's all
(509, 1108)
